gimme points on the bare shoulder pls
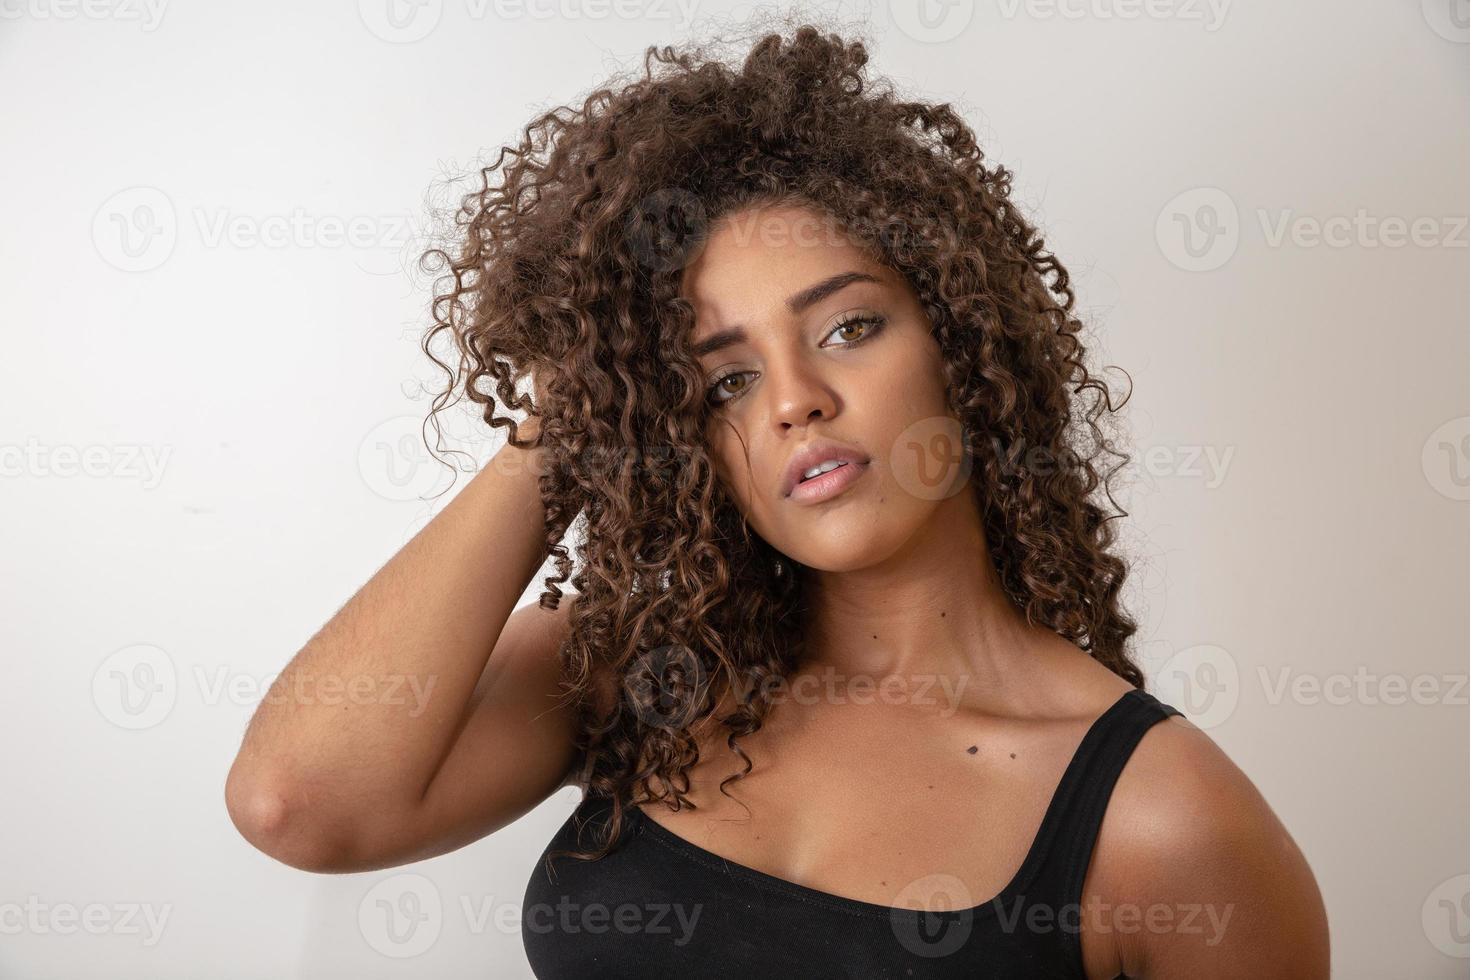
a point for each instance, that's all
(1191, 844)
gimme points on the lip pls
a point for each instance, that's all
(827, 484)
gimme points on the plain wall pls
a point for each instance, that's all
(208, 435)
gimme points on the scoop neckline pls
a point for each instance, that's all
(1030, 864)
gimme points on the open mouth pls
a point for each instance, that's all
(839, 466)
(827, 484)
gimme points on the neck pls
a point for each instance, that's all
(935, 608)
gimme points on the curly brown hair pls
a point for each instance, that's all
(566, 273)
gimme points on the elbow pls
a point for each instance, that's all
(264, 812)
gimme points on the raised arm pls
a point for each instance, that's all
(456, 729)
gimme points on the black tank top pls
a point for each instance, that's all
(661, 906)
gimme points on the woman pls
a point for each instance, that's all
(845, 681)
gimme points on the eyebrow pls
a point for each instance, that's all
(797, 303)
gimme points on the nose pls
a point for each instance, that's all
(799, 394)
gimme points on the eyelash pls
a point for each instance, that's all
(874, 322)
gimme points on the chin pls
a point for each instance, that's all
(843, 545)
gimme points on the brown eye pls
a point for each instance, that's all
(866, 328)
(870, 325)
(720, 385)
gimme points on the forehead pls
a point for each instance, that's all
(754, 259)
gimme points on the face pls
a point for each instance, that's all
(803, 338)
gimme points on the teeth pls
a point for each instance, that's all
(825, 467)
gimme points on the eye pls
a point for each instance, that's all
(715, 388)
(872, 322)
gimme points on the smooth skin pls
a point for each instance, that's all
(904, 594)
(904, 589)
(353, 784)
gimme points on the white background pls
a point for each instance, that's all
(246, 409)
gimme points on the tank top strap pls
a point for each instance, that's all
(1070, 828)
